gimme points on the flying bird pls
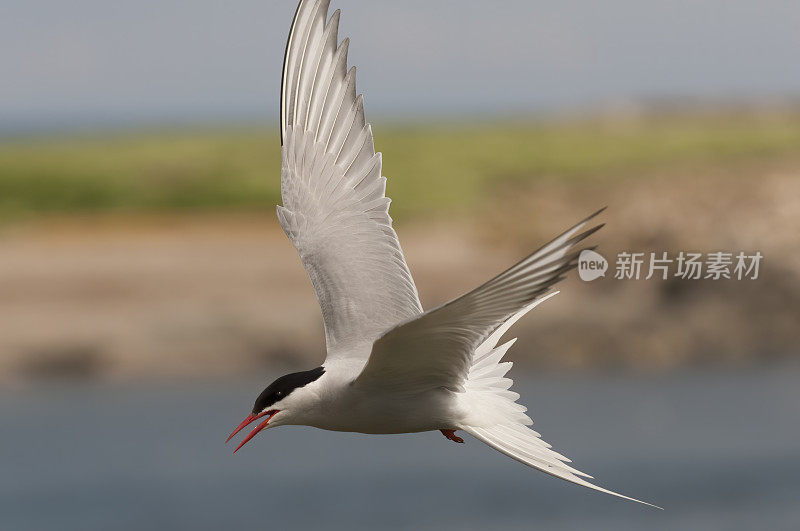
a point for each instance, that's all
(391, 367)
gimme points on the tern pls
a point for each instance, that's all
(390, 366)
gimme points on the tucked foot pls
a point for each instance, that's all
(451, 434)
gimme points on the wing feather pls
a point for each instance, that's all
(334, 208)
(437, 348)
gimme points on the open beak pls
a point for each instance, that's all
(252, 418)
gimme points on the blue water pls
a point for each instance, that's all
(719, 450)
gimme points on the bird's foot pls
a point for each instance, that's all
(451, 434)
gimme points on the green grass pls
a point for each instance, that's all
(431, 168)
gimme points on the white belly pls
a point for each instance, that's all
(382, 413)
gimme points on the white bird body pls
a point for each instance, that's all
(341, 407)
(390, 367)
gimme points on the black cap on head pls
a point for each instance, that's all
(283, 387)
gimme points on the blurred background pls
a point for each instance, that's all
(147, 293)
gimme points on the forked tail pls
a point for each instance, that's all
(499, 421)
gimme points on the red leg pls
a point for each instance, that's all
(451, 434)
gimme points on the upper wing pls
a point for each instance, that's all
(436, 348)
(335, 210)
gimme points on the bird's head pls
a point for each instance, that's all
(282, 402)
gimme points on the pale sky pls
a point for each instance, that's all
(98, 61)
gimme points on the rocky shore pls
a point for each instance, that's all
(210, 295)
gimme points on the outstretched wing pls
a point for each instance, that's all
(335, 210)
(436, 348)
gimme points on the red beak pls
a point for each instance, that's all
(251, 418)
